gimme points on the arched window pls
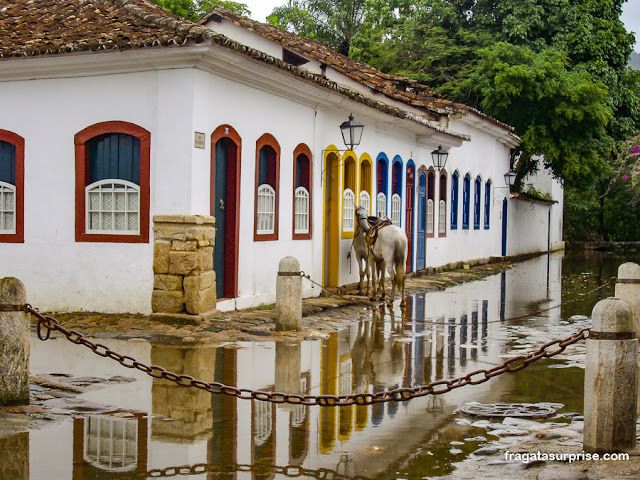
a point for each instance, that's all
(302, 193)
(454, 201)
(267, 181)
(112, 183)
(466, 198)
(442, 207)
(396, 197)
(476, 203)
(11, 187)
(487, 204)
(431, 197)
(382, 177)
(365, 183)
(348, 195)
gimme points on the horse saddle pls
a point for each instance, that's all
(376, 224)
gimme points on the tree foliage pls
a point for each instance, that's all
(192, 9)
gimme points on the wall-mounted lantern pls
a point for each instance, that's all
(439, 158)
(351, 132)
(510, 178)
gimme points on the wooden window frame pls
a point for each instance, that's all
(266, 140)
(82, 176)
(349, 163)
(431, 195)
(18, 142)
(455, 199)
(302, 149)
(466, 201)
(487, 204)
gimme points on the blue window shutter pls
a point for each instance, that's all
(476, 204)
(466, 198)
(487, 204)
(7, 162)
(114, 155)
(454, 202)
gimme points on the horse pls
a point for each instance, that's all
(387, 253)
(359, 246)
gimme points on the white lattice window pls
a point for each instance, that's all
(113, 206)
(302, 210)
(429, 216)
(396, 205)
(7, 208)
(381, 205)
(345, 378)
(365, 201)
(442, 213)
(299, 412)
(261, 421)
(111, 443)
(348, 210)
(266, 209)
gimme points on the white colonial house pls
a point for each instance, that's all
(125, 132)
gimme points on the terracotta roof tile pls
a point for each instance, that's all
(32, 27)
(403, 89)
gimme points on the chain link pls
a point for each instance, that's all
(257, 469)
(439, 387)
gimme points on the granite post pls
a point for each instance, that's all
(628, 289)
(14, 344)
(610, 383)
(289, 295)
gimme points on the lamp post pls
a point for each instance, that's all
(439, 158)
(351, 132)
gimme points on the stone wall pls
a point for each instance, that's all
(184, 280)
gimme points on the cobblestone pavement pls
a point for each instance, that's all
(258, 323)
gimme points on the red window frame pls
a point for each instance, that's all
(82, 179)
(431, 195)
(18, 142)
(302, 149)
(266, 139)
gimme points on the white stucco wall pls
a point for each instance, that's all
(172, 104)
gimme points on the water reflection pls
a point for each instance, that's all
(156, 424)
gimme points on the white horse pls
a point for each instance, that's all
(388, 253)
(359, 246)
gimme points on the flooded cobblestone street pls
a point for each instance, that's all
(121, 423)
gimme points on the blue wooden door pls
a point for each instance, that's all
(219, 209)
(504, 227)
(422, 221)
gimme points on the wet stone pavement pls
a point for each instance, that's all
(91, 418)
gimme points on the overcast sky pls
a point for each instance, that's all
(630, 14)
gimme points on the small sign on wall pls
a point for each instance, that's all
(199, 140)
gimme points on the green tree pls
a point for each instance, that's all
(192, 9)
(332, 22)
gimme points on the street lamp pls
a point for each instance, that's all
(510, 178)
(351, 132)
(439, 158)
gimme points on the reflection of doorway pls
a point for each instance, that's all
(504, 227)
(225, 203)
(409, 215)
(330, 274)
(422, 220)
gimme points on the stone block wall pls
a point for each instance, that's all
(184, 280)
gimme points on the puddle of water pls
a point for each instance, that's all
(154, 424)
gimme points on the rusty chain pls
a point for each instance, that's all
(257, 469)
(438, 387)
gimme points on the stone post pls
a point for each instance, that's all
(289, 295)
(628, 289)
(14, 456)
(184, 285)
(610, 383)
(14, 344)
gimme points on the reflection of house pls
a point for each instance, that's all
(235, 120)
